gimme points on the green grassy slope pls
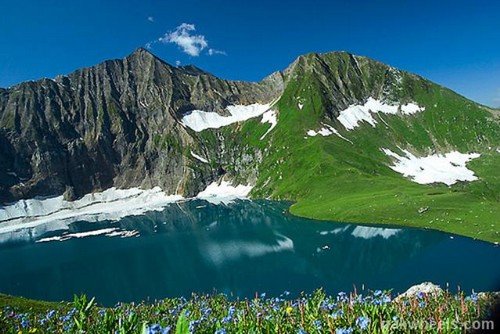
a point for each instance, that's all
(330, 178)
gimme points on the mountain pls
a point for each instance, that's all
(345, 137)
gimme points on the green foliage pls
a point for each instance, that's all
(330, 178)
(365, 312)
(182, 326)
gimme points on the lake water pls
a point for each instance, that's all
(240, 249)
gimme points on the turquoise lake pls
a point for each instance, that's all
(239, 249)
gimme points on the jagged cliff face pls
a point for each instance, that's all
(115, 124)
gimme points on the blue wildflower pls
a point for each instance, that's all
(342, 296)
(377, 293)
(263, 295)
(193, 325)
(158, 329)
(421, 304)
(25, 322)
(50, 314)
(220, 331)
(473, 297)
(317, 324)
(344, 330)
(337, 314)
(301, 331)
(420, 295)
(362, 322)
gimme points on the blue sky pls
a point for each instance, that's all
(454, 43)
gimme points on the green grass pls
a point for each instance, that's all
(329, 178)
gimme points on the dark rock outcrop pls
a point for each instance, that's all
(114, 124)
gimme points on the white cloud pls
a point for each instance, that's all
(182, 37)
(212, 52)
(177, 63)
(151, 19)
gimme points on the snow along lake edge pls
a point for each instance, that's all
(39, 216)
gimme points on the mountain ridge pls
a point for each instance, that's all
(124, 123)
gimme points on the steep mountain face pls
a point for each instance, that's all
(115, 124)
(345, 137)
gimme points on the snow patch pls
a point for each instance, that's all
(327, 130)
(33, 215)
(356, 113)
(224, 192)
(411, 108)
(199, 157)
(199, 120)
(269, 117)
(449, 168)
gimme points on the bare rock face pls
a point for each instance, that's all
(114, 124)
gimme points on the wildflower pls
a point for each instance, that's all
(50, 314)
(158, 329)
(220, 331)
(286, 293)
(25, 322)
(327, 306)
(473, 297)
(421, 304)
(301, 331)
(342, 296)
(377, 293)
(362, 322)
(420, 295)
(289, 310)
(193, 325)
(317, 324)
(344, 330)
(337, 314)
(263, 295)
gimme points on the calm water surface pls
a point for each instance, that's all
(243, 248)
